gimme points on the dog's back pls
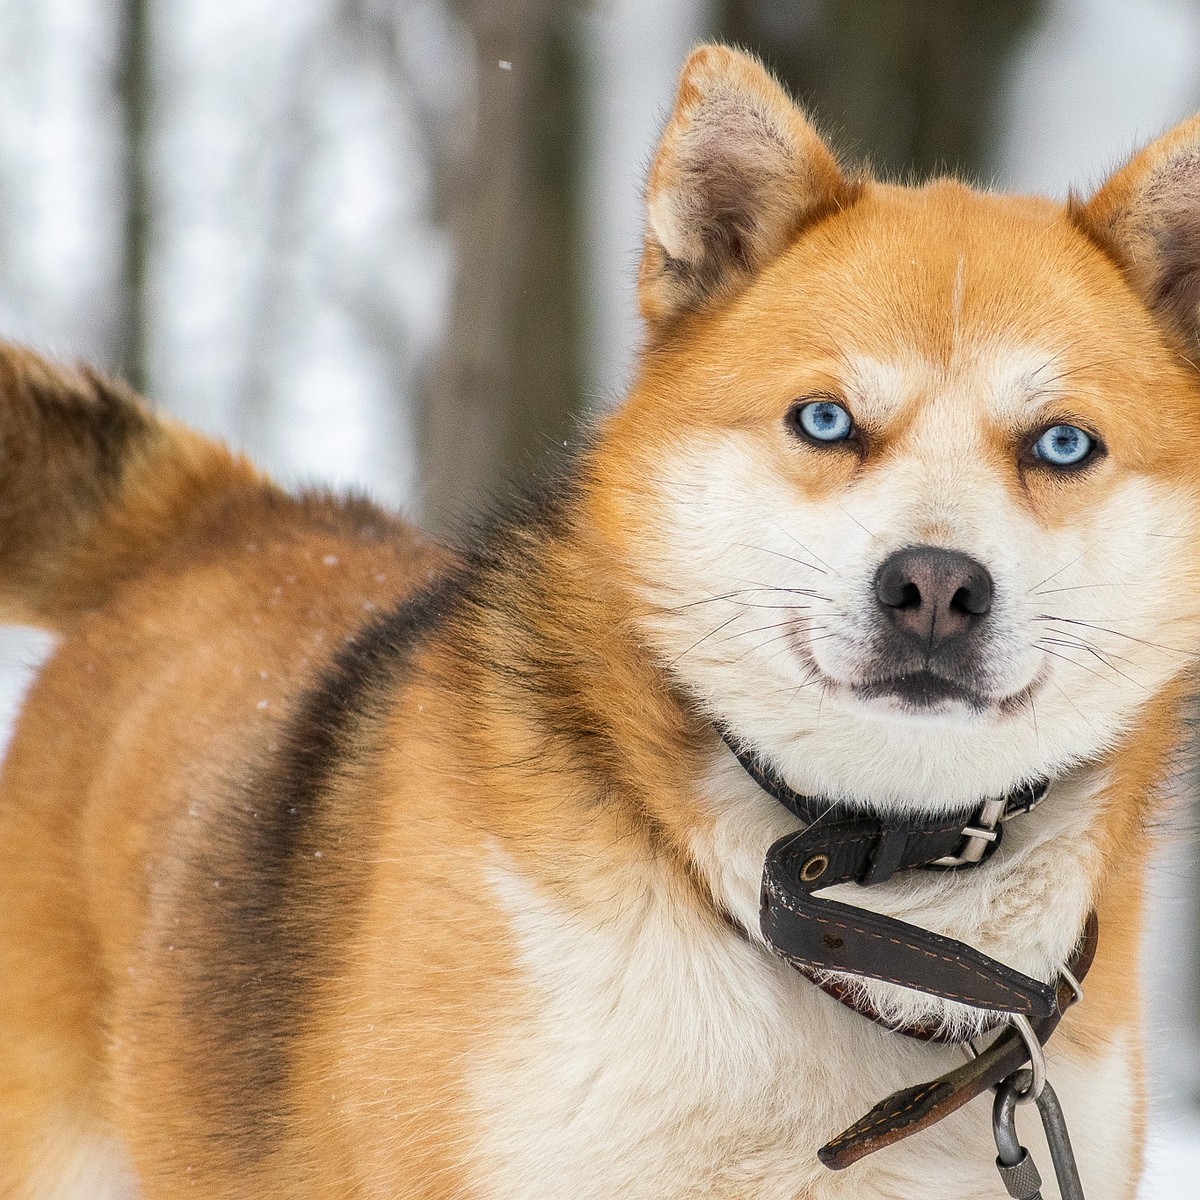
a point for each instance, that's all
(198, 607)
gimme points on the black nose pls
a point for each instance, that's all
(933, 595)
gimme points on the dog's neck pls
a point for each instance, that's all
(598, 705)
(1026, 906)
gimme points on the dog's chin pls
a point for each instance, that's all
(959, 744)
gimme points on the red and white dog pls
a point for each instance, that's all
(336, 865)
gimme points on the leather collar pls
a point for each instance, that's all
(840, 845)
(819, 936)
(912, 1109)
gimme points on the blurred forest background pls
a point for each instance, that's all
(392, 242)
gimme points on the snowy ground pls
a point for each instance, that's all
(1173, 1172)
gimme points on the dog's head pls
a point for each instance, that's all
(909, 479)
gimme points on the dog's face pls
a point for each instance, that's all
(913, 505)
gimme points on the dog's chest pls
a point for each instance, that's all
(665, 1057)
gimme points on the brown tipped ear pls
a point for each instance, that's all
(738, 170)
(1147, 216)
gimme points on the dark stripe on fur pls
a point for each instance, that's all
(293, 866)
(295, 874)
(102, 418)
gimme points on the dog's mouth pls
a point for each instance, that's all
(923, 691)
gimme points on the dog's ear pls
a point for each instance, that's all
(1147, 216)
(738, 171)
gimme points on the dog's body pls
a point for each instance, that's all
(333, 867)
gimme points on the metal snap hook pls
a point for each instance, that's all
(1017, 1170)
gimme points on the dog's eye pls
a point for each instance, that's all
(1064, 446)
(821, 421)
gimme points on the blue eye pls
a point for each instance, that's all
(1063, 446)
(823, 421)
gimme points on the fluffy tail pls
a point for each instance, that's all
(93, 484)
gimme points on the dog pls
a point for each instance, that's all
(340, 864)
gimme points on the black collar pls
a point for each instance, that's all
(959, 839)
(840, 845)
(828, 941)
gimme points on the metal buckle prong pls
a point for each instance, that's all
(973, 831)
(978, 835)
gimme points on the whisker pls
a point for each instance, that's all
(1056, 574)
(1084, 644)
(780, 554)
(787, 591)
(1114, 632)
(811, 641)
(1057, 356)
(763, 644)
(740, 633)
(814, 676)
(812, 554)
(1073, 663)
(731, 597)
(857, 522)
(1075, 706)
(749, 604)
(1096, 654)
(702, 640)
(1100, 362)
(1080, 587)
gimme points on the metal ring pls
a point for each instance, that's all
(814, 868)
(1037, 1058)
(1073, 984)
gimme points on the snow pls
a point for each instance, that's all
(1172, 1160)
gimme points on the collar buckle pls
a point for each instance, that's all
(979, 838)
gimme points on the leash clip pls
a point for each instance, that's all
(1020, 1177)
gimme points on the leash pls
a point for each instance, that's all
(817, 936)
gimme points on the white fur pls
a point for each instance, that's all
(81, 1164)
(665, 1057)
(763, 599)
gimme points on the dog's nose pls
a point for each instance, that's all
(933, 595)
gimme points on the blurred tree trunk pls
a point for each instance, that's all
(909, 85)
(134, 88)
(509, 363)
